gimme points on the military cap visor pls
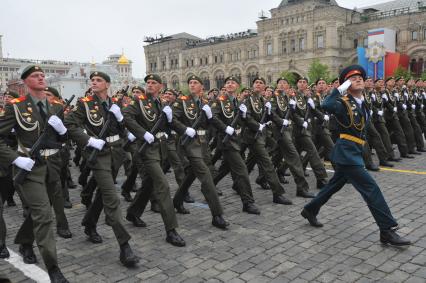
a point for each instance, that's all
(259, 79)
(101, 75)
(232, 78)
(282, 79)
(378, 79)
(213, 89)
(302, 79)
(389, 78)
(12, 93)
(29, 70)
(138, 88)
(153, 77)
(320, 79)
(194, 78)
(169, 90)
(53, 91)
(354, 70)
(334, 80)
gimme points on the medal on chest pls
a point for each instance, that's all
(189, 109)
(300, 102)
(281, 103)
(227, 110)
(256, 105)
(147, 110)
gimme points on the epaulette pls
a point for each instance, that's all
(114, 99)
(222, 97)
(87, 98)
(19, 99)
(142, 97)
(205, 100)
(183, 97)
(57, 102)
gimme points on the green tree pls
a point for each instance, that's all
(423, 76)
(318, 70)
(291, 77)
(402, 72)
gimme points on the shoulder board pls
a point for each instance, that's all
(222, 98)
(19, 99)
(57, 102)
(87, 98)
(205, 101)
(114, 99)
(142, 97)
(183, 97)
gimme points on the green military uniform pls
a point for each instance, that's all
(140, 116)
(411, 112)
(404, 120)
(320, 132)
(186, 110)
(23, 116)
(86, 121)
(303, 138)
(284, 136)
(420, 114)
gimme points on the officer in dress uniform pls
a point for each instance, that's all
(352, 116)
(420, 98)
(140, 116)
(85, 124)
(28, 116)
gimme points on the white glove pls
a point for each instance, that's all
(385, 97)
(285, 122)
(406, 94)
(149, 137)
(305, 125)
(311, 103)
(421, 106)
(413, 106)
(208, 111)
(168, 111)
(261, 126)
(131, 137)
(190, 132)
(229, 130)
(25, 163)
(117, 112)
(269, 106)
(404, 106)
(243, 109)
(380, 112)
(326, 117)
(395, 109)
(343, 87)
(371, 112)
(292, 103)
(396, 95)
(424, 95)
(416, 94)
(57, 124)
(373, 96)
(96, 143)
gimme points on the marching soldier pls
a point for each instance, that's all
(352, 116)
(140, 117)
(411, 112)
(186, 110)
(302, 131)
(420, 101)
(28, 116)
(85, 124)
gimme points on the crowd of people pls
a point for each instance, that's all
(152, 131)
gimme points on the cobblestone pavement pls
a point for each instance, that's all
(277, 246)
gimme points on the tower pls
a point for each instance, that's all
(1, 47)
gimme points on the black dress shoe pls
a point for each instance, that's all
(67, 203)
(127, 197)
(188, 199)
(263, 184)
(4, 252)
(137, 222)
(250, 208)
(392, 238)
(71, 184)
(127, 257)
(180, 208)
(155, 207)
(281, 199)
(311, 218)
(175, 239)
(372, 167)
(86, 201)
(219, 222)
(64, 233)
(56, 275)
(304, 194)
(236, 188)
(321, 184)
(421, 149)
(407, 156)
(27, 253)
(394, 159)
(386, 164)
(94, 237)
(415, 152)
(11, 202)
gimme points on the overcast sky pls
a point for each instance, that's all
(86, 30)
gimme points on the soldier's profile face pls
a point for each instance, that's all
(369, 83)
(302, 85)
(357, 83)
(36, 81)
(231, 86)
(336, 84)
(259, 86)
(283, 85)
(98, 84)
(153, 87)
(195, 86)
(321, 85)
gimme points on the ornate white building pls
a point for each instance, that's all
(297, 32)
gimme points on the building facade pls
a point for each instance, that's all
(297, 32)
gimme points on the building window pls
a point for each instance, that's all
(355, 43)
(192, 62)
(206, 83)
(414, 35)
(293, 45)
(163, 65)
(221, 58)
(284, 47)
(206, 60)
(254, 53)
(269, 49)
(424, 34)
(320, 41)
(365, 42)
(301, 44)
(176, 63)
(201, 61)
(340, 41)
